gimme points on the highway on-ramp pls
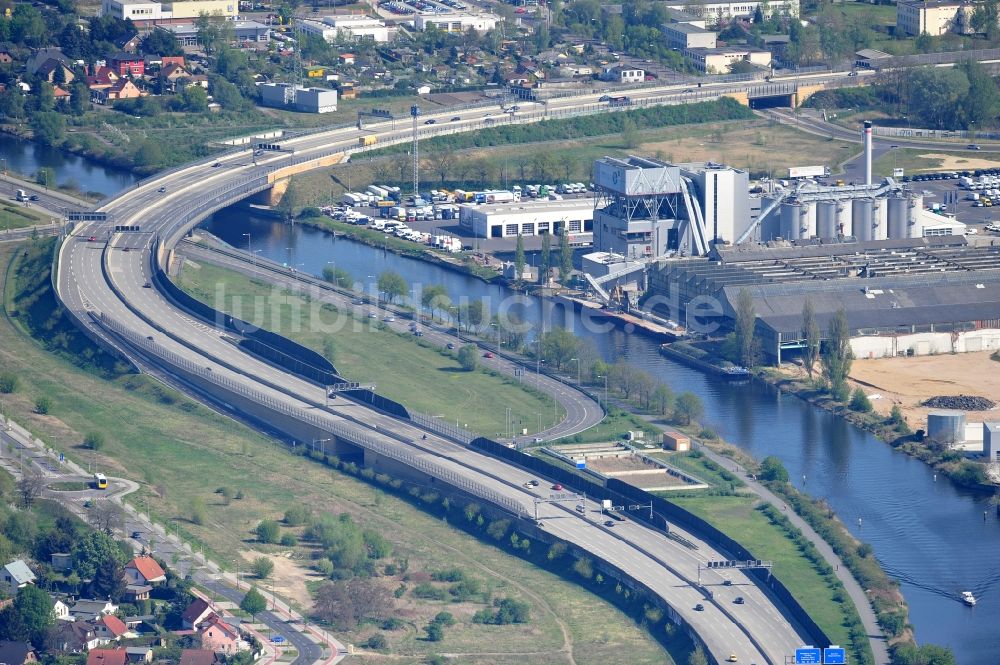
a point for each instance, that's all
(105, 281)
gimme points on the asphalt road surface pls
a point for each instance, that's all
(103, 279)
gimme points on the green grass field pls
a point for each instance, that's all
(735, 515)
(15, 216)
(181, 452)
(420, 377)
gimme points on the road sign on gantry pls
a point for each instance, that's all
(834, 655)
(808, 656)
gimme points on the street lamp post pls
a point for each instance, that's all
(578, 375)
(605, 377)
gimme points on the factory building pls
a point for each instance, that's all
(529, 218)
(902, 297)
(722, 193)
(683, 36)
(991, 440)
(298, 98)
(351, 27)
(456, 22)
(143, 11)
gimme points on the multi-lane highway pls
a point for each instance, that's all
(105, 279)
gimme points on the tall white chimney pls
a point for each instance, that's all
(867, 138)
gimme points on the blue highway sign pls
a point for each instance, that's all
(808, 656)
(834, 656)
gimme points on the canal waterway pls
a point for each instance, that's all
(935, 538)
(18, 156)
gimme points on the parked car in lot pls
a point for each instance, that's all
(488, 354)
(451, 345)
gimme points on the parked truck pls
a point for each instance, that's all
(22, 195)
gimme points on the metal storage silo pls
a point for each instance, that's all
(880, 219)
(807, 223)
(791, 213)
(899, 215)
(826, 219)
(916, 204)
(845, 226)
(946, 426)
(861, 213)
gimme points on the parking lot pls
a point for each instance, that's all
(945, 190)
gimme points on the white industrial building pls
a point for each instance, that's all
(991, 440)
(143, 10)
(350, 27)
(682, 36)
(298, 98)
(715, 10)
(529, 218)
(456, 21)
(720, 60)
(619, 74)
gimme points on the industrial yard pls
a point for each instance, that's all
(910, 381)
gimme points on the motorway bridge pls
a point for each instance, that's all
(101, 278)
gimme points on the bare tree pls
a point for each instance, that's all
(346, 603)
(30, 487)
(105, 516)
(441, 163)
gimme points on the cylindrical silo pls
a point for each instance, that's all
(861, 212)
(946, 426)
(916, 204)
(880, 219)
(899, 214)
(790, 216)
(807, 222)
(826, 219)
(845, 227)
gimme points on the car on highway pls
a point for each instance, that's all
(389, 319)
(33, 197)
(418, 333)
(162, 189)
(973, 146)
(216, 165)
(372, 315)
(136, 535)
(609, 523)
(739, 600)
(732, 658)
(456, 118)
(92, 238)
(430, 121)
(488, 354)
(147, 285)
(727, 583)
(357, 301)
(699, 608)
(451, 345)
(277, 639)
(580, 508)
(126, 249)
(557, 487)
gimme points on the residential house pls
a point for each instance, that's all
(122, 89)
(127, 64)
(74, 637)
(16, 653)
(103, 77)
(139, 654)
(620, 74)
(15, 575)
(171, 74)
(129, 45)
(109, 628)
(144, 570)
(220, 637)
(346, 58)
(134, 592)
(6, 57)
(88, 610)
(107, 657)
(40, 56)
(61, 95)
(61, 610)
(53, 71)
(199, 80)
(197, 657)
(172, 60)
(134, 622)
(196, 613)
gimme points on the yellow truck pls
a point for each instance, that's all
(367, 140)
